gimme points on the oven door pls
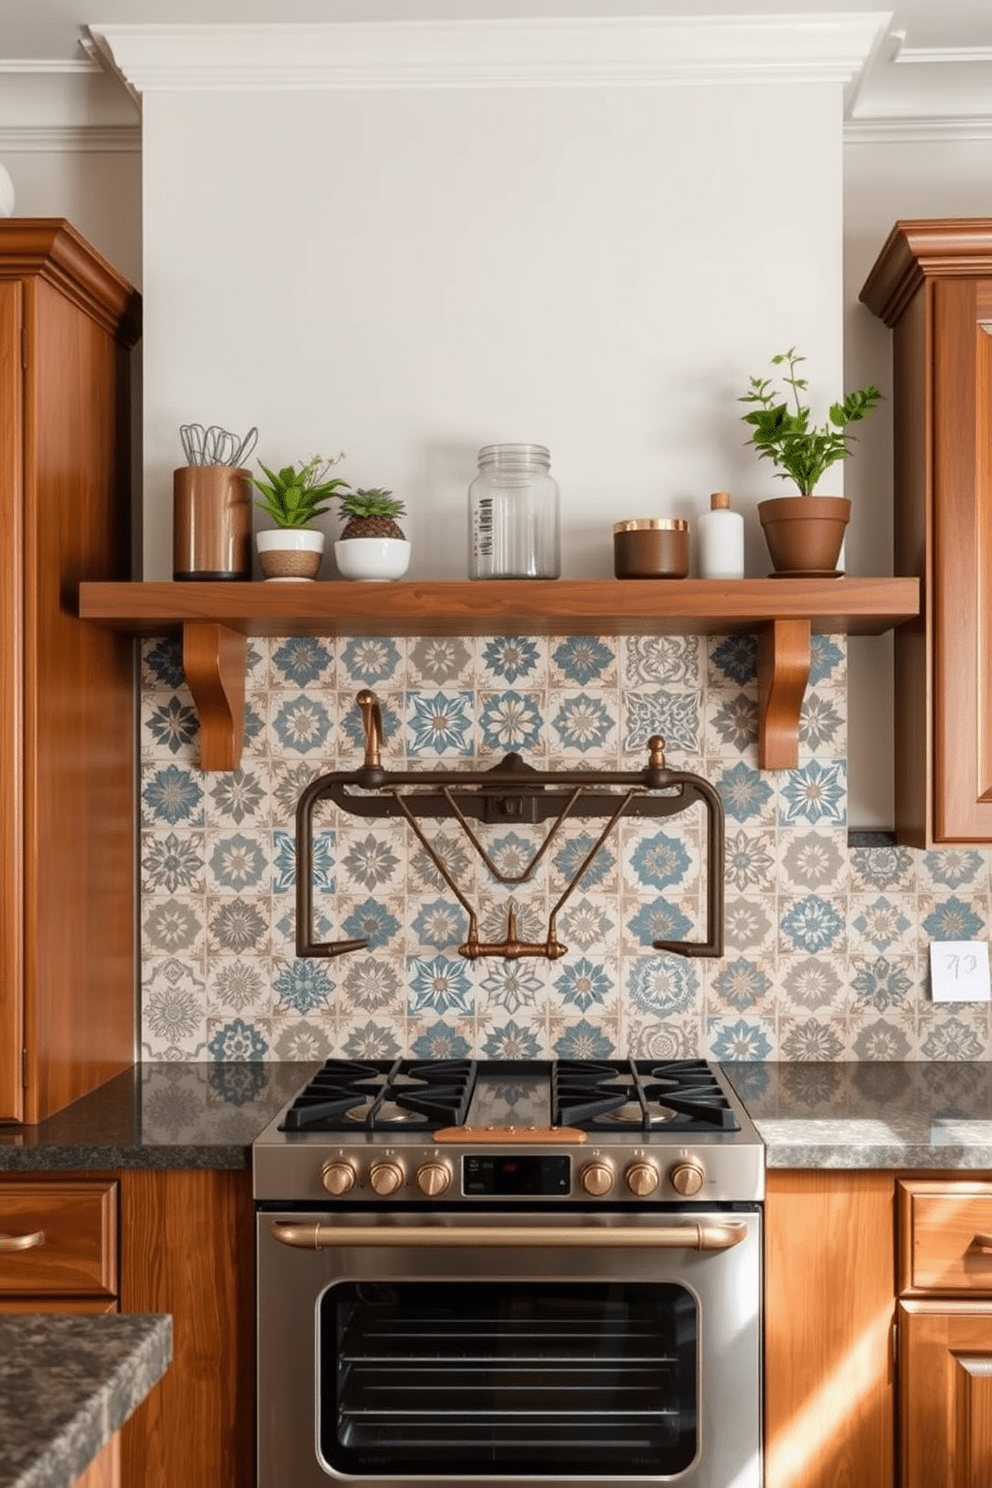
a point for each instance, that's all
(459, 1348)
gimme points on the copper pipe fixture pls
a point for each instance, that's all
(510, 792)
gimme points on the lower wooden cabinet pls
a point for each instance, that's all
(187, 1248)
(156, 1241)
(58, 1253)
(945, 1393)
(945, 1331)
(829, 1303)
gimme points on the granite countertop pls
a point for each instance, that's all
(870, 1115)
(160, 1116)
(67, 1385)
(854, 1115)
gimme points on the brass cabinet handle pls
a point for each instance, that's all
(689, 1236)
(982, 1242)
(21, 1242)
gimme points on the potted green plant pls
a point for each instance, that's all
(294, 497)
(372, 544)
(804, 533)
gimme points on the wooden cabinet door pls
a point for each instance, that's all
(962, 507)
(945, 1394)
(932, 284)
(829, 1305)
(11, 772)
(67, 967)
(188, 1249)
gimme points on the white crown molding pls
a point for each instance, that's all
(31, 66)
(545, 52)
(69, 139)
(919, 130)
(905, 55)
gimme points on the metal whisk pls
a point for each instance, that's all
(216, 446)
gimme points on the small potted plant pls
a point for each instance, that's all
(294, 497)
(372, 544)
(804, 533)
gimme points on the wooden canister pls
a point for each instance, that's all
(651, 548)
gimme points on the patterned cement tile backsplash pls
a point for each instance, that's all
(826, 945)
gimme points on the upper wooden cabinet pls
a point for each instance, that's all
(67, 323)
(932, 284)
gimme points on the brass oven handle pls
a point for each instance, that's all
(21, 1242)
(688, 1236)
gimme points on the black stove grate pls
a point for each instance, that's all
(347, 1095)
(674, 1095)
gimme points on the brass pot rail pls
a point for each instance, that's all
(510, 792)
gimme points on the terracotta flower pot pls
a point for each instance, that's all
(805, 533)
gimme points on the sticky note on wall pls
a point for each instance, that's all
(959, 970)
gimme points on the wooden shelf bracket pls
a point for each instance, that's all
(214, 660)
(783, 672)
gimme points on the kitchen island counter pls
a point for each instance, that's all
(67, 1385)
(872, 1115)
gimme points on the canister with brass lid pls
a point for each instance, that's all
(651, 548)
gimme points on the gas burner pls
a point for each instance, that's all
(346, 1095)
(678, 1095)
(632, 1113)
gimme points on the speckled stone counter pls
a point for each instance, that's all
(67, 1384)
(160, 1116)
(870, 1115)
(856, 1115)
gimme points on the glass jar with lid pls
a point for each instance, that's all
(514, 528)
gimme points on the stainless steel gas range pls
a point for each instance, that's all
(510, 1273)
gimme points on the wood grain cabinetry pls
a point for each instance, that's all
(179, 1242)
(67, 323)
(58, 1253)
(188, 1250)
(58, 1243)
(829, 1303)
(932, 284)
(945, 1332)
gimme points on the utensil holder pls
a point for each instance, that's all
(211, 522)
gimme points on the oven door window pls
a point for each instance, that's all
(523, 1379)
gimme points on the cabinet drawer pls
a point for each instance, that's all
(76, 1254)
(945, 1236)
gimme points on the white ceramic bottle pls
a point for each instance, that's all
(720, 534)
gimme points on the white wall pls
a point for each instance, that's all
(619, 433)
(410, 273)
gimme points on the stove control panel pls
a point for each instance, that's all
(512, 1174)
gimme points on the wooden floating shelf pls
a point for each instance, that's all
(215, 620)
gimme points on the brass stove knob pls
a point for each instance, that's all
(642, 1178)
(596, 1178)
(686, 1178)
(433, 1178)
(386, 1176)
(338, 1176)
